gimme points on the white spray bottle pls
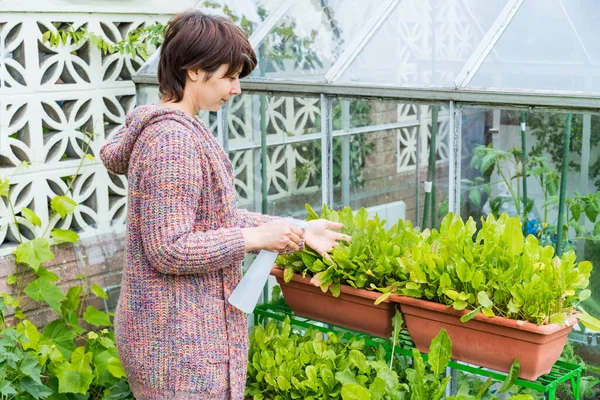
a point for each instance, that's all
(247, 292)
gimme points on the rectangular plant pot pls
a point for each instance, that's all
(491, 342)
(353, 309)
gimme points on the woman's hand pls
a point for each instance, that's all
(277, 236)
(319, 236)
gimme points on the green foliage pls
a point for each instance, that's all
(499, 273)
(136, 44)
(549, 130)
(66, 360)
(285, 365)
(374, 258)
(496, 271)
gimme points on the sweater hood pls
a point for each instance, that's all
(115, 154)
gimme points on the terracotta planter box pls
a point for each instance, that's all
(353, 309)
(489, 342)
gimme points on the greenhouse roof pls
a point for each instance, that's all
(521, 51)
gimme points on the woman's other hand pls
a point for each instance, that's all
(277, 236)
(320, 237)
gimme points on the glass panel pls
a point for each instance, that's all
(310, 37)
(548, 45)
(423, 42)
(492, 172)
(584, 16)
(492, 167)
(386, 158)
(293, 163)
(247, 14)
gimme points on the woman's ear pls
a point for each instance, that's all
(194, 75)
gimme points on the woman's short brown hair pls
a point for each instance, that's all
(196, 40)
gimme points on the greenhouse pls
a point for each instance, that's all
(458, 141)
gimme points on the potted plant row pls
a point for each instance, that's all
(287, 365)
(338, 288)
(499, 295)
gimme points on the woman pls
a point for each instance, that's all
(177, 336)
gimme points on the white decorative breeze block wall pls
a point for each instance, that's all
(50, 96)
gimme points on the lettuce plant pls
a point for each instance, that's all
(286, 365)
(496, 271)
(500, 272)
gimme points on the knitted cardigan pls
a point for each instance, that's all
(177, 336)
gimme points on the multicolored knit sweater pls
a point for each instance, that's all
(177, 336)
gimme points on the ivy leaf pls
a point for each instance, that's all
(47, 275)
(71, 302)
(440, 352)
(31, 367)
(116, 368)
(42, 289)
(64, 236)
(4, 187)
(30, 331)
(98, 291)
(34, 252)
(31, 216)
(11, 279)
(96, 317)
(63, 205)
(73, 380)
(38, 391)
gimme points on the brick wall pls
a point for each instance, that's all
(100, 259)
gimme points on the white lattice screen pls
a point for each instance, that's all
(50, 96)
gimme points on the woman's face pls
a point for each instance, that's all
(213, 93)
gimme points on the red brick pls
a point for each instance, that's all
(63, 253)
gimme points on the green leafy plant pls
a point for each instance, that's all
(372, 260)
(136, 44)
(71, 357)
(496, 271)
(499, 273)
(286, 365)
